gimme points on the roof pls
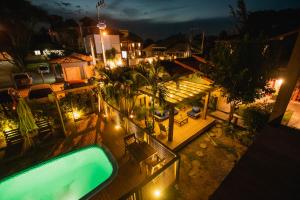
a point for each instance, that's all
(73, 58)
(172, 68)
(177, 93)
(268, 170)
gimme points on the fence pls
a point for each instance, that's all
(161, 179)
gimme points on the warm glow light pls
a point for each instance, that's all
(157, 193)
(119, 62)
(104, 33)
(76, 114)
(7, 128)
(280, 81)
(117, 127)
(131, 116)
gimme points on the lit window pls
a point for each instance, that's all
(124, 54)
(132, 44)
(37, 52)
(140, 53)
(139, 44)
(121, 44)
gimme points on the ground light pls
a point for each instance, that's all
(157, 193)
(76, 114)
(117, 126)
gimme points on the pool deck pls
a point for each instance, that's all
(184, 134)
(128, 175)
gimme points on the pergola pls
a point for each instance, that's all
(180, 92)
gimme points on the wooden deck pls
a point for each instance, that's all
(184, 134)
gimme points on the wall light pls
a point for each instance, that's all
(157, 193)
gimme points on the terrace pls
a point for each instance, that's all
(185, 120)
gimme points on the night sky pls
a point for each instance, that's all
(160, 18)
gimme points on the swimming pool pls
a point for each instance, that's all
(75, 175)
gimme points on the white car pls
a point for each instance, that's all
(21, 80)
(40, 93)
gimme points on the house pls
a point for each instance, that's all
(73, 67)
(110, 41)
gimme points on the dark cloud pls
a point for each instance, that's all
(113, 5)
(65, 3)
(160, 18)
(131, 12)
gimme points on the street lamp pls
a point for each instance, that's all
(101, 26)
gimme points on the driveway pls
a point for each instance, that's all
(6, 69)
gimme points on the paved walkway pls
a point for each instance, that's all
(205, 163)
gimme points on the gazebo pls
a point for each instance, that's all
(179, 92)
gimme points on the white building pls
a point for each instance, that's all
(110, 41)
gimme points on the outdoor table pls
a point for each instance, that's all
(181, 120)
(141, 151)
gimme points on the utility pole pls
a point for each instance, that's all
(101, 26)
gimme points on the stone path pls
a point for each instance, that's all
(205, 163)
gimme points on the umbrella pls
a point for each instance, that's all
(28, 127)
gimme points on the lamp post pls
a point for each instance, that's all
(101, 26)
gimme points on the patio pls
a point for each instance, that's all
(182, 122)
(182, 135)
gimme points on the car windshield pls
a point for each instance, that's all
(21, 76)
(40, 93)
(43, 68)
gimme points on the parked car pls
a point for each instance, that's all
(40, 93)
(21, 80)
(43, 69)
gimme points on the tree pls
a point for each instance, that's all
(18, 19)
(153, 75)
(242, 69)
(240, 14)
(111, 53)
(121, 90)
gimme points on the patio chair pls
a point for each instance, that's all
(153, 164)
(128, 140)
(161, 115)
(194, 113)
(163, 130)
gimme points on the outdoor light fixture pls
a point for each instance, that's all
(280, 81)
(157, 193)
(76, 114)
(131, 116)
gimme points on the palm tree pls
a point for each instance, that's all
(120, 89)
(153, 76)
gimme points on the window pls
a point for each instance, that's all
(37, 52)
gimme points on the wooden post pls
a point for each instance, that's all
(290, 80)
(205, 110)
(60, 115)
(171, 123)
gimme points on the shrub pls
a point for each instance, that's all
(256, 116)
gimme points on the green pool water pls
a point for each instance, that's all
(70, 176)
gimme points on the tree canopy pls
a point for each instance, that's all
(242, 69)
(18, 19)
